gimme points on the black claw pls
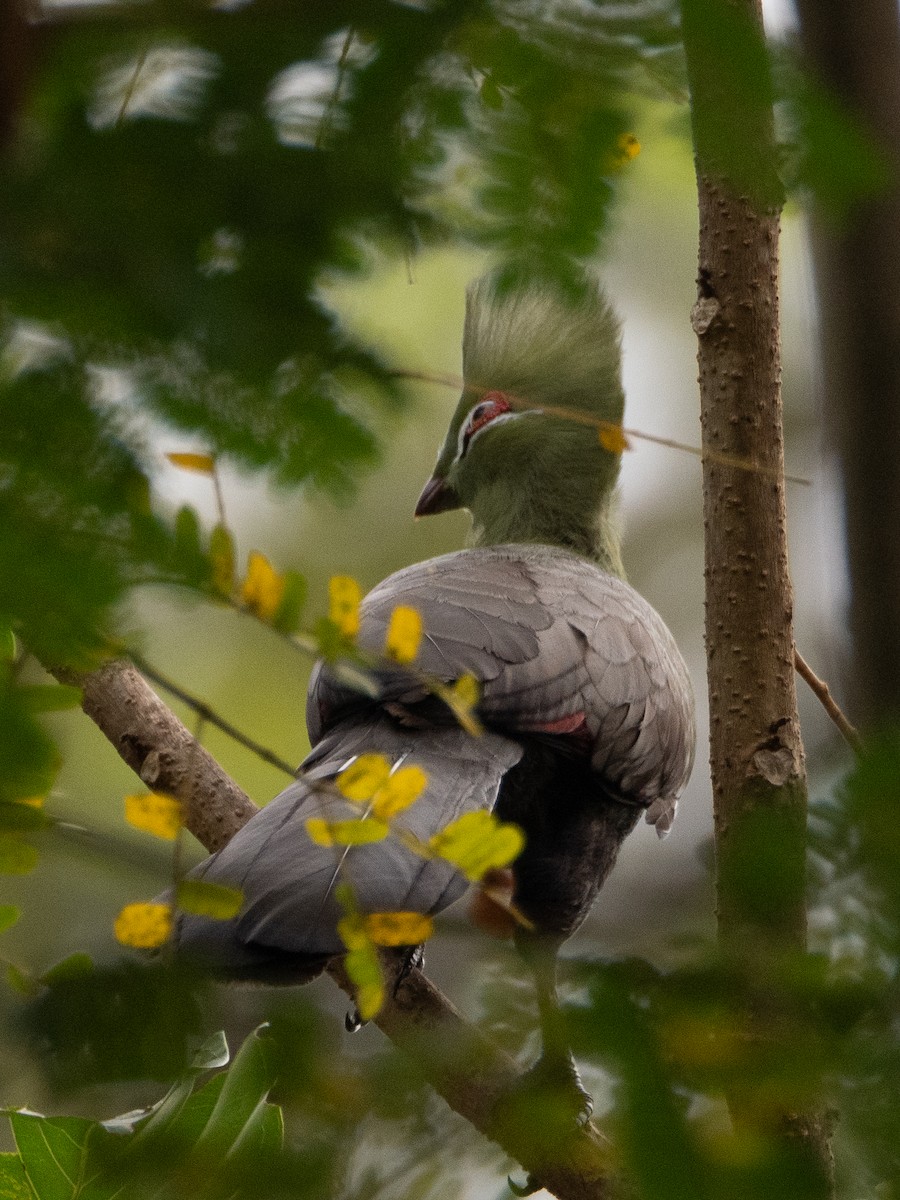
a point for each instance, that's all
(412, 957)
(353, 1022)
(528, 1188)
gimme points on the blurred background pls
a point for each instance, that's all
(167, 172)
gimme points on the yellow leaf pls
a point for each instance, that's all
(154, 813)
(404, 634)
(462, 698)
(612, 438)
(144, 925)
(362, 779)
(345, 833)
(628, 146)
(352, 931)
(204, 463)
(477, 842)
(32, 801)
(344, 596)
(401, 790)
(467, 691)
(364, 969)
(398, 928)
(319, 831)
(263, 587)
(221, 557)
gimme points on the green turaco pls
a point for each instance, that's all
(585, 700)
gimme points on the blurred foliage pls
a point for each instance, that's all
(184, 181)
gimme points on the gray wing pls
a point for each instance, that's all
(288, 880)
(560, 647)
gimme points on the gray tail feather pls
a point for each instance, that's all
(286, 928)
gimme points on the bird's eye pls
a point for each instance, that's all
(491, 406)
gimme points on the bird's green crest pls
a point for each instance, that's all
(550, 350)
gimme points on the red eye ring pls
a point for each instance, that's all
(489, 407)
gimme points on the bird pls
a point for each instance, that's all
(585, 702)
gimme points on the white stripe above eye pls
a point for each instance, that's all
(461, 446)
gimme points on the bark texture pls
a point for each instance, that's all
(854, 49)
(161, 751)
(475, 1077)
(756, 751)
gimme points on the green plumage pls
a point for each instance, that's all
(541, 477)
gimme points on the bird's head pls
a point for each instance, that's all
(523, 453)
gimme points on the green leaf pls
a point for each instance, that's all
(53, 1152)
(287, 615)
(9, 914)
(262, 1136)
(212, 1054)
(190, 560)
(7, 643)
(71, 967)
(209, 899)
(16, 858)
(15, 816)
(28, 757)
(50, 697)
(246, 1086)
(222, 560)
(159, 1119)
(13, 1182)
(20, 981)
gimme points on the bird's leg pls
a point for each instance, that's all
(555, 1071)
(408, 958)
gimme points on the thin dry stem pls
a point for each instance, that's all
(582, 418)
(849, 732)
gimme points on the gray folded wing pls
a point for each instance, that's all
(288, 881)
(552, 638)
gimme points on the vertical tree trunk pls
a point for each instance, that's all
(855, 51)
(756, 752)
(16, 38)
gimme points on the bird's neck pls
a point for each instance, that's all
(511, 515)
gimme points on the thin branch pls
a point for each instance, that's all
(706, 454)
(475, 1077)
(203, 710)
(325, 124)
(130, 90)
(849, 732)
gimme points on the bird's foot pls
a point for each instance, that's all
(554, 1082)
(413, 957)
(410, 958)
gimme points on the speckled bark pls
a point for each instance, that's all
(162, 752)
(756, 751)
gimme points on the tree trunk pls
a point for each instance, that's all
(756, 752)
(855, 51)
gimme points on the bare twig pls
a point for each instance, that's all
(475, 1077)
(821, 689)
(132, 85)
(203, 710)
(325, 124)
(706, 454)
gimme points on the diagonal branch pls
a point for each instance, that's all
(206, 713)
(476, 1078)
